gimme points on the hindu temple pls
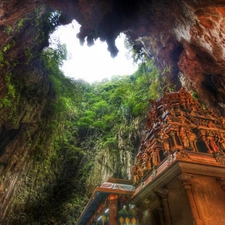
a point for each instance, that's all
(178, 174)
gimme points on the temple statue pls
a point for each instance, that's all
(177, 123)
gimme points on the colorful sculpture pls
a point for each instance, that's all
(178, 123)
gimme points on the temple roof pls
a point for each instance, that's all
(118, 186)
(100, 194)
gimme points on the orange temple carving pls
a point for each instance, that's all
(178, 123)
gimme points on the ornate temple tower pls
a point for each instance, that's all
(179, 171)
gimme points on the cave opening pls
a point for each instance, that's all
(92, 63)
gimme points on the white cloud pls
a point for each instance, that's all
(92, 63)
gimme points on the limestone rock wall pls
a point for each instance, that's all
(24, 92)
(188, 37)
(116, 160)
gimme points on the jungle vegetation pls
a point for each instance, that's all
(86, 115)
(78, 117)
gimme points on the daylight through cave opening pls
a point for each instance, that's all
(92, 63)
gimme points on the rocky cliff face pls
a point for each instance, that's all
(24, 95)
(187, 37)
(116, 160)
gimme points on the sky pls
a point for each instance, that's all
(92, 63)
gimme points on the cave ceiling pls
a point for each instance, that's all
(186, 36)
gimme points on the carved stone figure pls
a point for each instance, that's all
(164, 138)
(166, 145)
(134, 173)
(204, 139)
(214, 147)
(154, 157)
(192, 140)
(140, 172)
(170, 157)
(183, 137)
(146, 161)
(223, 122)
(211, 124)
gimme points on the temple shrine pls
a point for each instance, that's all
(178, 175)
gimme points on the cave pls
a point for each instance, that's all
(186, 41)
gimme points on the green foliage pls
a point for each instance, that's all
(20, 22)
(3, 54)
(101, 107)
(108, 105)
(6, 47)
(1, 59)
(99, 125)
(8, 99)
(8, 30)
(85, 122)
(195, 95)
(52, 19)
(135, 52)
(78, 120)
(139, 108)
(53, 58)
(110, 142)
(28, 54)
(90, 114)
(11, 87)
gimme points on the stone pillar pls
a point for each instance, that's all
(163, 193)
(161, 215)
(113, 209)
(186, 180)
